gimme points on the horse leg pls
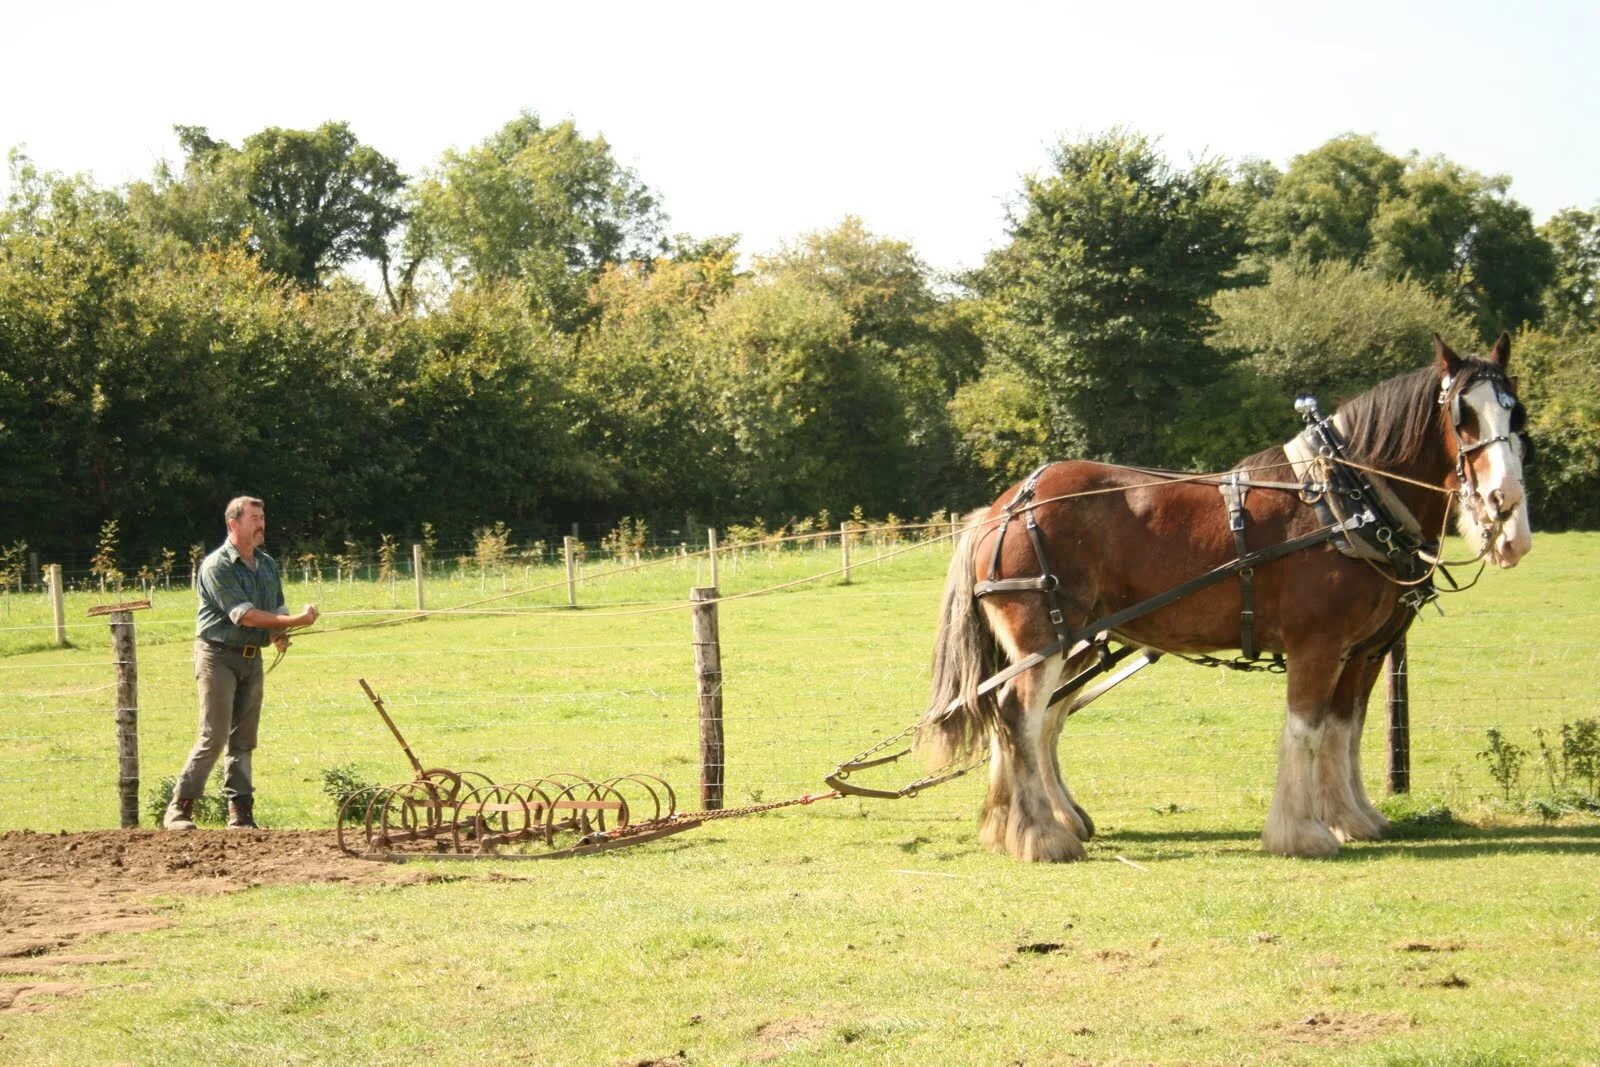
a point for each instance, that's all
(1067, 809)
(1341, 796)
(1293, 828)
(1027, 810)
(995, 815)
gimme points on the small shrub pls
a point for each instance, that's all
(627, 541)
(210, 807)
(388, 550)
(1408, 818)
(1580, 753)
(340, 783)
(1505, 760)
(104, 565)
(491, 546)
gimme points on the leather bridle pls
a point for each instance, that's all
(1450, 393)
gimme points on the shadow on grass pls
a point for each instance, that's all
(1454, 840)
(1461, 841)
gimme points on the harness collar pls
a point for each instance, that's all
(1384, 529)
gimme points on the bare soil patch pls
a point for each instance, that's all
(58, 888)
(1324, 1028)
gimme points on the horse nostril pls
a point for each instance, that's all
(1498, 500)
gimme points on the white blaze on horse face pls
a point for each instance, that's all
(1499, 515)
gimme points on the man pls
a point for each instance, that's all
(241, 611)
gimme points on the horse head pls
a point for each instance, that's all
(1485, 421)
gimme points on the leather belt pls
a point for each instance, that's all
(247, 651)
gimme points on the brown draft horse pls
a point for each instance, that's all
(1115, 536)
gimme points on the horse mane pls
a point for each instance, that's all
(1389, 424)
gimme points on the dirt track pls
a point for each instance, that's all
(57, 888)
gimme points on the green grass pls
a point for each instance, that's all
(850, 931)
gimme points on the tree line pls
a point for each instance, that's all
(516, 335)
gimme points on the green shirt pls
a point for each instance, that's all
(229, 587)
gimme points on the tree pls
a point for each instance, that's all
(147, 383)
(925, 345)
(815, 423)
(1332, 329)
(1102, 297)
(1572, 301)
(540, 205)
(485, 412)
(1559, 380)
(1459, 234)
(1003, 426)
(307, 201)
(649, 389)
(66, 253)
(1323, 205)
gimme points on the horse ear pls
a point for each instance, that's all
(1501, 354)
(1449, 362)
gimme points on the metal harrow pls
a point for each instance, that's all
(465, 815)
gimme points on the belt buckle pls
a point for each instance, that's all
(248, 651)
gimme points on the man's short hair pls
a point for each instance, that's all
(237, 505)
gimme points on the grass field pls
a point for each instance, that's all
(848, 931)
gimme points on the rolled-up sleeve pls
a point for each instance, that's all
(222, 585)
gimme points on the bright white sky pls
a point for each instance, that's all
(770, 118)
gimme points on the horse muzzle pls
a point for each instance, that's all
(1509, 538)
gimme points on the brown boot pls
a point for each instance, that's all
(180, 814)
(241, 814)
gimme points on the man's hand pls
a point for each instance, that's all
(308, 616)
(280, 641)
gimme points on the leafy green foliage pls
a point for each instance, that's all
(1332, 329)
(210, 808)
(1505, 759)
(1101, 299)
(1572, 301)
(341, 782)
(305, 201)
(1455, 232)
(1003, 422)
(541, 205)
(1323, 206)
(1463, 237)
(547, 357)
(1559, 380)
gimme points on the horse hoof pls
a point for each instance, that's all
(1087, 831)
(1360, 827)
(1307, 839)
(1051, 843)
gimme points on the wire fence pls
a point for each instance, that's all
(813, 672)
(493, 556)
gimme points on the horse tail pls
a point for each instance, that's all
(964, 654)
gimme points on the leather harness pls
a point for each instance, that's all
(1359, 515)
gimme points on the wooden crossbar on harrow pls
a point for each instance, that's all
(464, 815)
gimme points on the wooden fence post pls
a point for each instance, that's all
(844, 550)
(568, 547)
(708, 679)
(57, 606)
(416, 573)
(125, 652)
(1399, 719)
(711, 545)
